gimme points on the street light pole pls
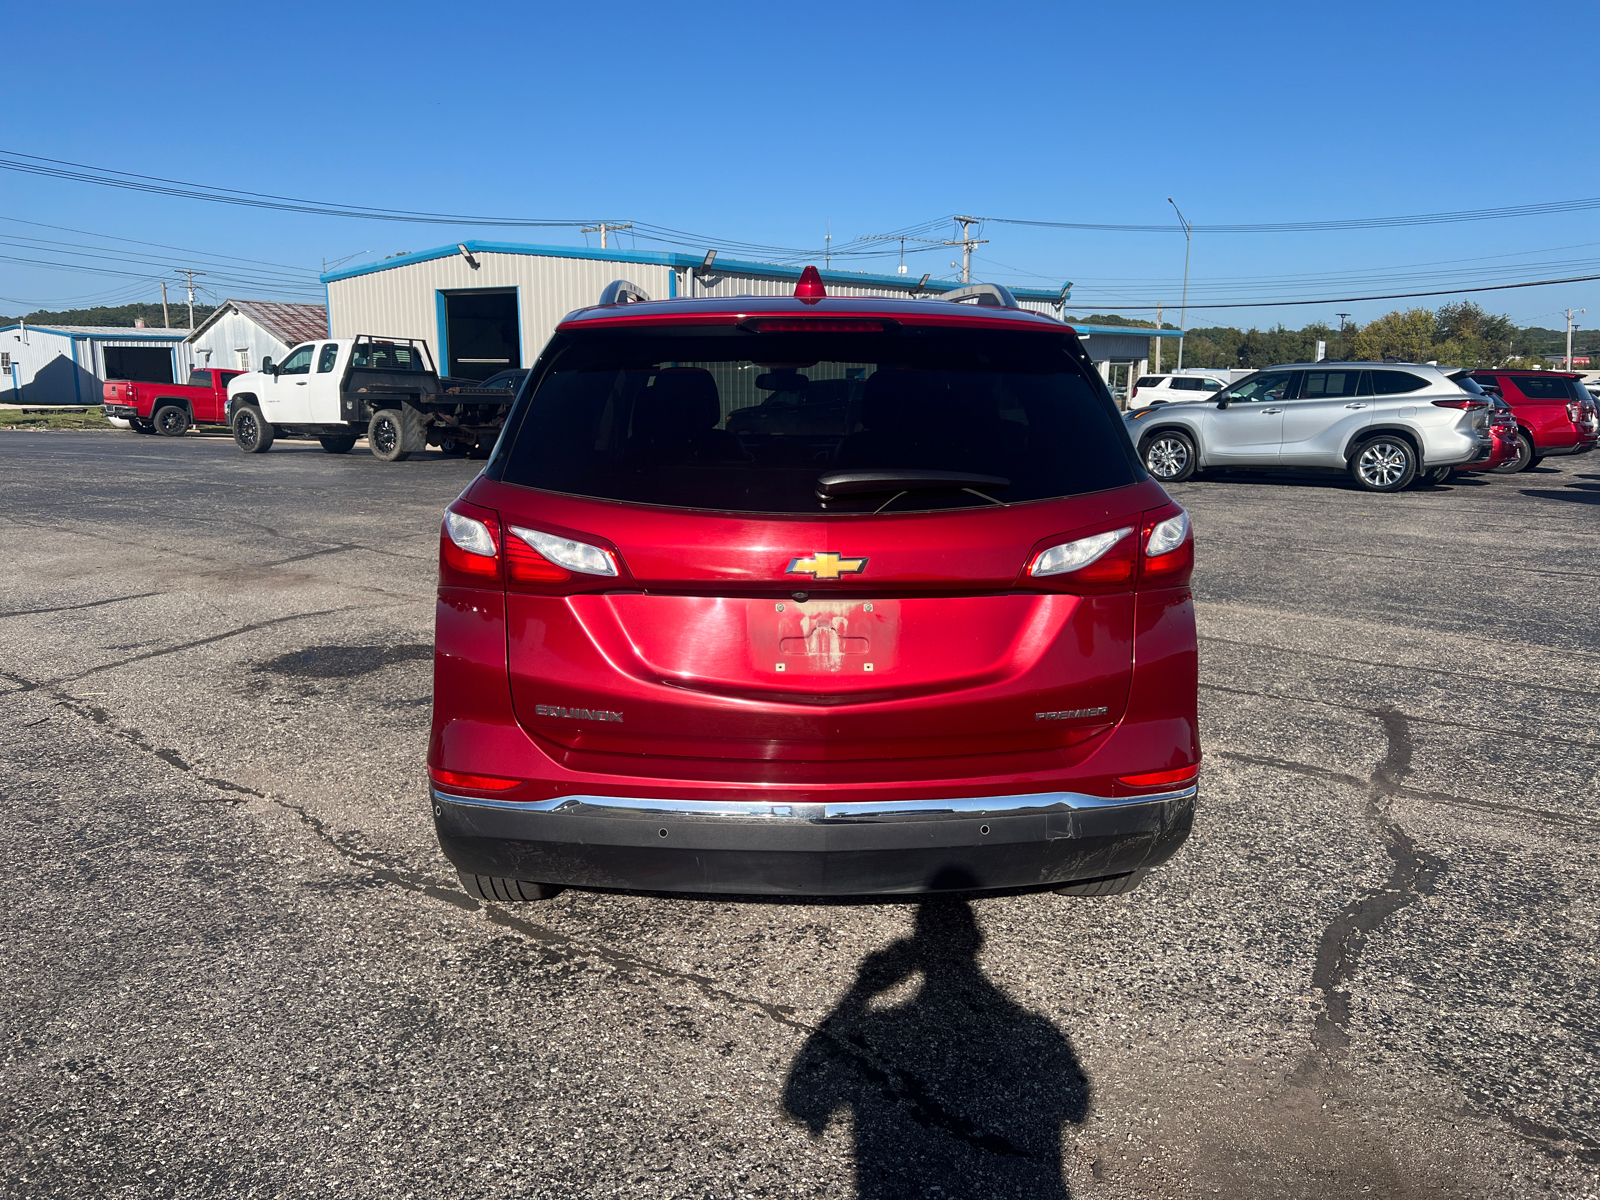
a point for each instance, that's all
(1341, 317)
(1188, 243)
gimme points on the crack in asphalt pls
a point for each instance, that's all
(898, 1086)
(1408, 793)
(1412, 873)
(1501, 731)
(1364, 662)
(198, 642)
(29, 612)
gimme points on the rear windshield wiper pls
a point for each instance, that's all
(850, 483)
(853, 483)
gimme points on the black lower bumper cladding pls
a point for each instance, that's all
(813, 849)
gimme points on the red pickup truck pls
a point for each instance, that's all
(170, 408)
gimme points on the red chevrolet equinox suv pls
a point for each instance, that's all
(813, 596)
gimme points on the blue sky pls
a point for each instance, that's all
(768, 123)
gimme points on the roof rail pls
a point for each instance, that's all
(620, 291)
(988, 295)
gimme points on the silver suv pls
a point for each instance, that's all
(1384, 423)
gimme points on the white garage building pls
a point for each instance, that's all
(239, 334)
(483, 307)
(66, 364)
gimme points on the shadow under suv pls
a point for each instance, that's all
(813, 596)
(1383, 423)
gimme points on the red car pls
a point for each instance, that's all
(170, 408)
(921, 623)
(1555, 414)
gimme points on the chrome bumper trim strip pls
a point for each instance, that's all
(820, 814)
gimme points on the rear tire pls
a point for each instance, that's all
(1534, 462)
(1109, 885)
(1385, 463)
(1435, 476)
(341, 443)
(455, 447)
(1522, 461)
(170, 421)
(493, 887)
(1170, 456)
(394, 433)
(252, 432)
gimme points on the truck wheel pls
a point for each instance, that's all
(1383, 464)
(394, 433)
(1522, 461)
(492, 887)
(252, 432)
(339, 443)
(170, 421)
(140, 426)
(455, 447)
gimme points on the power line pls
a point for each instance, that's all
(1493, 287)
(1438, 218)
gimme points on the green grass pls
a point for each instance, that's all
(45, 418)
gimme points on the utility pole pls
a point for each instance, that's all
(827, 246)
(189, 284)
(1188, 242)
(1341, 317)
(605, 225)
(1569, 335)
(165, 323)
(966, 241)
(1158, 339)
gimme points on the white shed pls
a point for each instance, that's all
(240, 333)
(484, 307)
(66, 364)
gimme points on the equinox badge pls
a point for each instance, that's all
(826, 565)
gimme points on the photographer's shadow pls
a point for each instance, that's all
(956, 1092)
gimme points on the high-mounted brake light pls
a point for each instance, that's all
(1461, 404)
(813, 325)
(809, 290)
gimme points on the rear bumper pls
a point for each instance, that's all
(1557, 451)
(766, 848)
(126, 411)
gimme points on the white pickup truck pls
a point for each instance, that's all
(340, 389)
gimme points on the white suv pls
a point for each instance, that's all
(1173, 389)
(1385, 423)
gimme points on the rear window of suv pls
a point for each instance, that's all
(1549, 388)
(738, 422)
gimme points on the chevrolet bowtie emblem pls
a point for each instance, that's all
(826, 565)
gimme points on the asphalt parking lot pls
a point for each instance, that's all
(234, 963)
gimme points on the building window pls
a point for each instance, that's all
(5, 361)
(244, 357)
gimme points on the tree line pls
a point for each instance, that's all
(1462, 334)
(120, 316)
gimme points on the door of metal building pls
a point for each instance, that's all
(482, 333)
(142, 364)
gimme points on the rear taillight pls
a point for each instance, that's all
(469, 546)
(1161, 555)
(477, 550)
(1574, 412)
(1079, 555)
(1463, 403)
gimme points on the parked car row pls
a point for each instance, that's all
(1388, 425)
(335, 391)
